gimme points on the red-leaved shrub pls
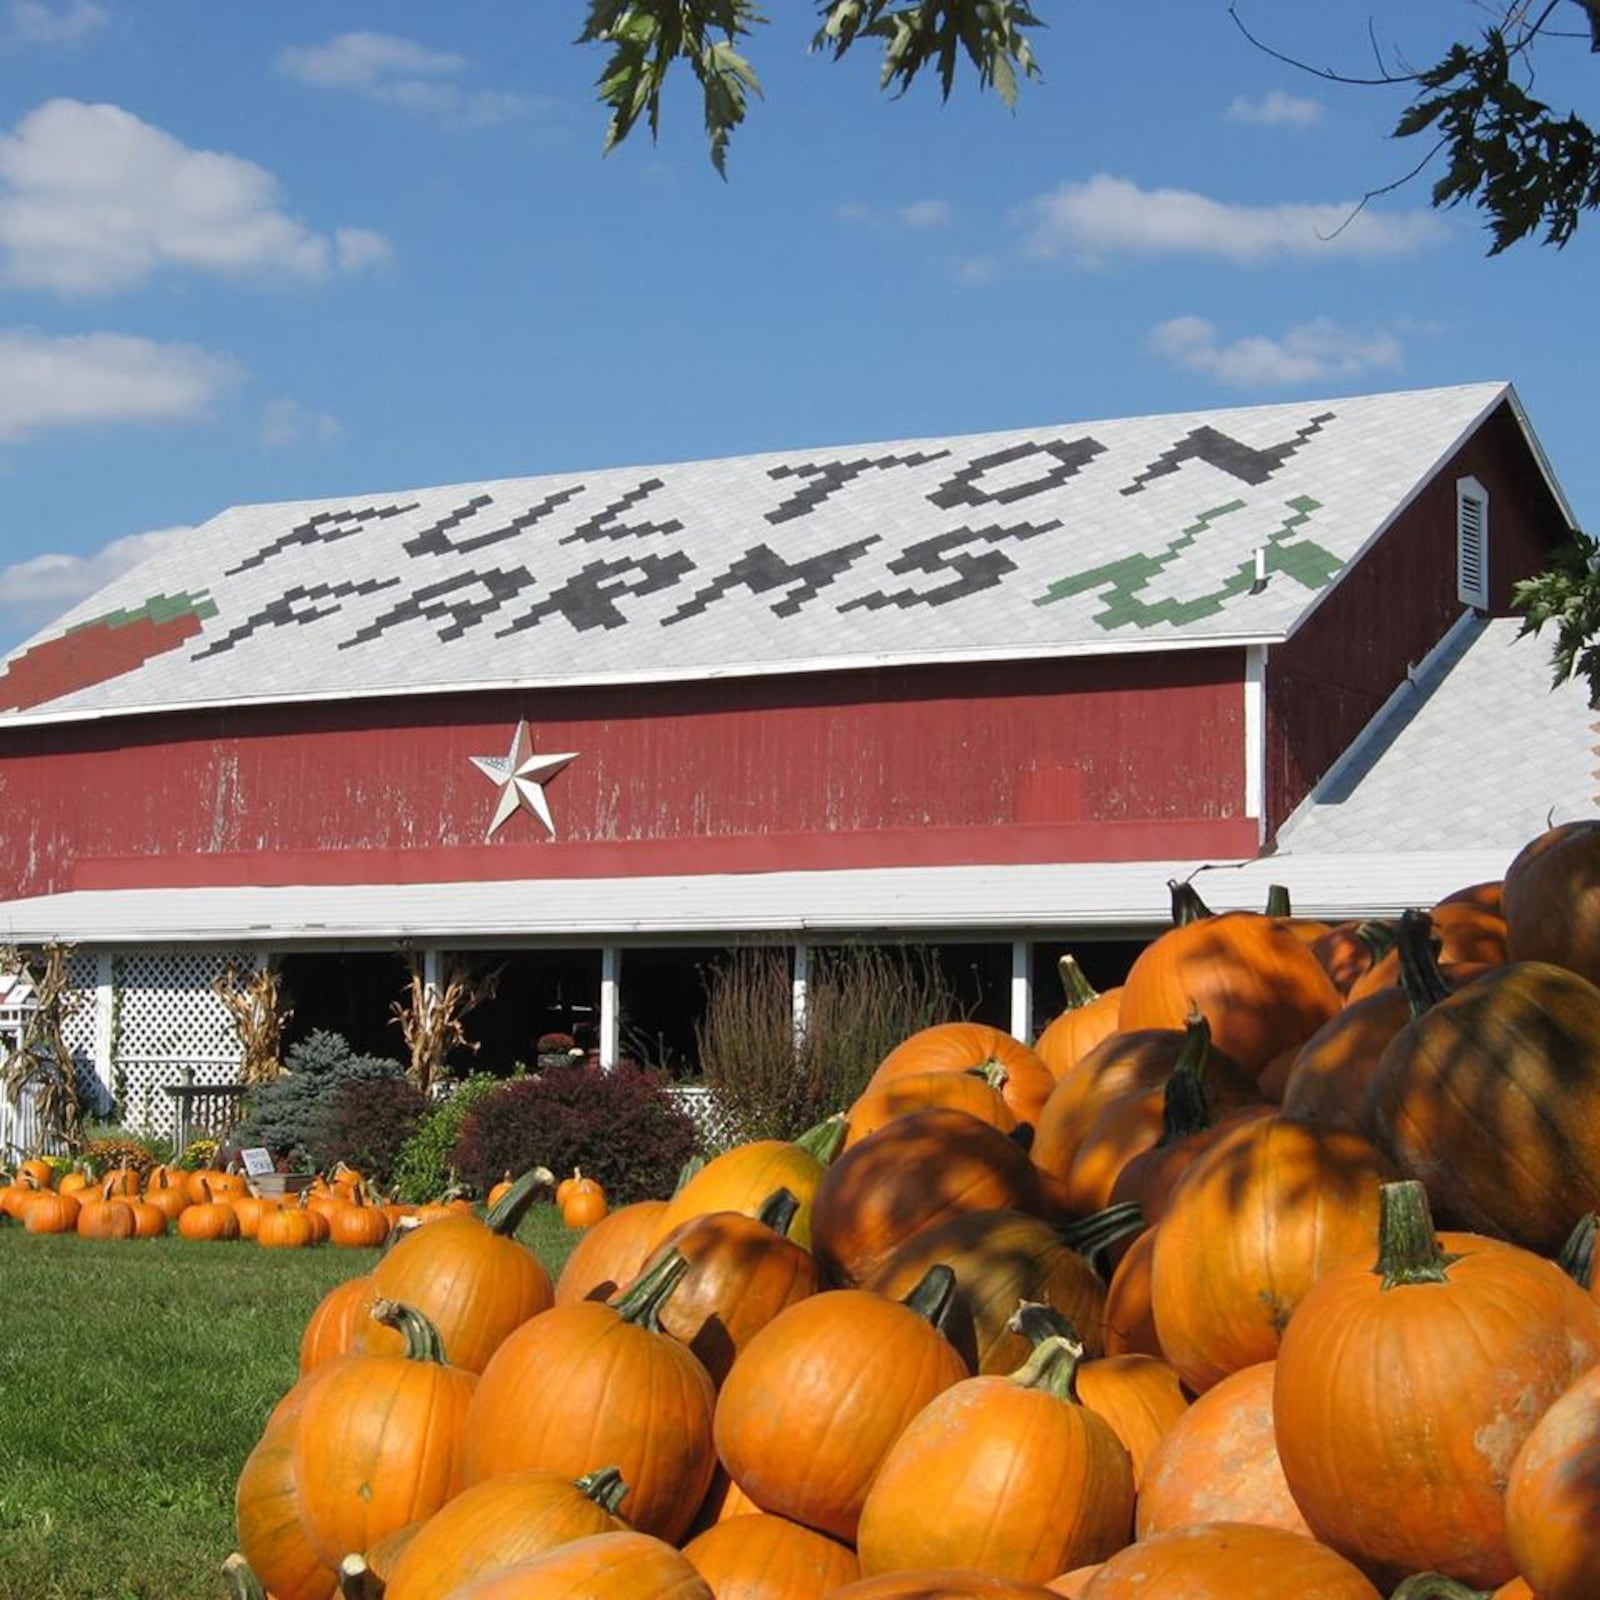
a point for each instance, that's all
(366, 1125)
(621, 1127)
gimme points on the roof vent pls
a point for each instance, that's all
(1472, 543)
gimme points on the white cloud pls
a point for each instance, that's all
(1309, 352)
(94, 199)
(44, 586)
(286, 422)
(360, 248)
(916, 215)
(53, 21)
(402, 73)
(83, 379)
(1109, 216)
(1278, 109)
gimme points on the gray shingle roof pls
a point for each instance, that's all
(1077, 538)
(1476, 753)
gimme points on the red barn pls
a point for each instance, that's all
(988, 693)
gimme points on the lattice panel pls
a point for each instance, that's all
(716, 1127)
(167, 1010)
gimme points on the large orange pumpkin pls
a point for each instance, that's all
(1228, 1561)
(596, 1382)
(330, 1330)
(1141, 1397)
(1025, 1083)
(1254, 981)
(1552, 899)
(1219, 1462)
(1510, 1063)
(1429, 1369)
(814, 1402)
(912, 1173)
(1553, 1497)
(609, 1255)
(1088, 1018)
(1251, 1227)
(605, 1566)
(500, 1522)
(1067, 1496)
(378, 1441)
(978, 1093)
(949, 1583)
(272, 1536)
(472, 1280)
(763, 1557)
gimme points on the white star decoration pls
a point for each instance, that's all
(521, 776)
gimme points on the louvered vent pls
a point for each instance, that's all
(1472, 544)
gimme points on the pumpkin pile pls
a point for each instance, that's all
(1268, 1274)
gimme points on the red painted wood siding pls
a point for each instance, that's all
(1124, 757)
(1334, 675)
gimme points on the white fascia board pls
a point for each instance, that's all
(1255, 734)
(1111, 898)
(580, 680)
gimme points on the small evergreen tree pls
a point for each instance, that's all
(288, 1115)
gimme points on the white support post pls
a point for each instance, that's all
(1255, 735)
(1022, 989)
(800, 991)
(610, 1009)
(105, 1001)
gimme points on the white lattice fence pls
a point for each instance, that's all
(165, 1017)
(716, 1127)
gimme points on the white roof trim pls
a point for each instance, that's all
(631, 676)
(1106, 897)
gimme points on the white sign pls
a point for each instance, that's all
(257, 1162)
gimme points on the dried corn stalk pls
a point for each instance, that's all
(430, 1015)
(41, 1060)
(255, 1002)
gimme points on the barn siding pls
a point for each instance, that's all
(1333, 676)
(1114, 758)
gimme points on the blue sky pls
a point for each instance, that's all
(274, 252)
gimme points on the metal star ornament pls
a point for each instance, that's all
(521, 776)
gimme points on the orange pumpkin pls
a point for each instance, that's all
(1430, 1369)
(472, 1280)
(272, 1536)
(358, 1224)
(1088, 1018)
(331, 1329)
(584, 1205)
(1251, 1227)
(1069, 1482)
(949, 1583)
(378, 1442)
(605, 1566)
(1465, 935)
(1257, 985)
(1553, 1497)
(1552, 899)
(763, 1557)
(209, 1219)
(977, 1092)
(594, 1381)
(609, 1255)
(816, 1399)
(1227, 1560)
(1140, 1396)
(500, 1522)
(1025, 1083)
(40, 1171)
(1219, 1462)
(47, 1211)
(105, 1217)
(286, 1228)
(911, 1174)
(1130, 1324)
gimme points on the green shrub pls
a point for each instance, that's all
(422, 1170)
(288, 1116)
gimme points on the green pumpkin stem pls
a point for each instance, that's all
(1577, 1254)
(1408, 1248)
(690, 1170)
(1378, 937)
(779, 1210)
(1421, 981)
(1185, 1103)
(504, 1215)
(422, 1338)
(605, 1487)
(1278, 902)
(1093, 1235)
(1057, 1350)
(932, 1294)
(1187, 906)
(993, 1073)
(1075, 986)
(642, 1300)
(825, 1140)
(240, 1582)
(1436, 1586)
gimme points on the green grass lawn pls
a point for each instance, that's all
(134, 1379)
